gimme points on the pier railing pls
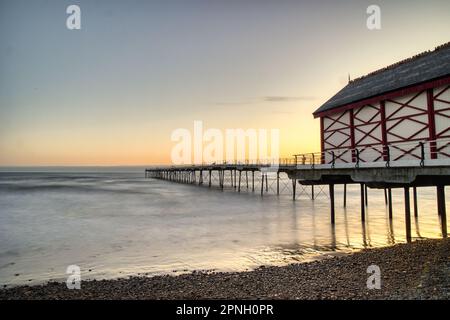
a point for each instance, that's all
(412, 153)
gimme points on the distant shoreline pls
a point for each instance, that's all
(419, 270)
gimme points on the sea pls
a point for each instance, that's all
(112, 222)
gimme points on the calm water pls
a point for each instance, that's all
(119, 224)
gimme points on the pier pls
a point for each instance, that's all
(389, 129)
(432, 168)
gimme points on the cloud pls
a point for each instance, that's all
(287, 98)
(231, 103)
(265, 99)
(282, 112)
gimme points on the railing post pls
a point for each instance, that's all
(422, 154)
(313, 160)
(388, 156)
(357, 158)
(333, 159)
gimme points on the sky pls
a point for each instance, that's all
(113, 92)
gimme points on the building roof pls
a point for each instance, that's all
(418, 69)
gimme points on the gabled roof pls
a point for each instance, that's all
(418, 69)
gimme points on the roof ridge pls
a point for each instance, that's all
(396, 64)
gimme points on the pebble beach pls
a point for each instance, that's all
(419, 270)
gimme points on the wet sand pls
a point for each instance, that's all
(420, 270)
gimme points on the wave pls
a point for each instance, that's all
(11, 187)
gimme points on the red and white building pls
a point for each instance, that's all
(389, 112)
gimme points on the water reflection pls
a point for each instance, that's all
(416, 224)
(333, 245)
(347, 238)
(367, 223)
(377, 230)
(390, 234)
(365, 239)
